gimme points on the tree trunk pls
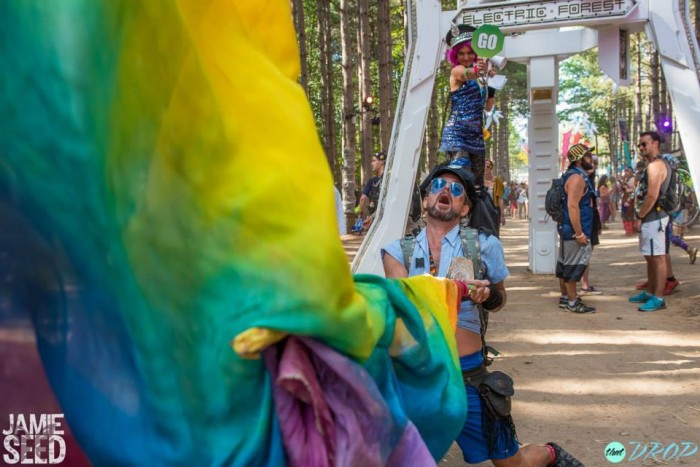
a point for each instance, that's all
(664, 112)
(349, 131)
(386, 85)
(655, 88)
(637, 126)
(500, 163)
(300, 26)
(613, 131)
(696, 3)
(365, 88)
(326, 69)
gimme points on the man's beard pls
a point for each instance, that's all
(586, 166)
(446, 216)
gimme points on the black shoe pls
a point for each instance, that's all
(580, 307)
(563, 458)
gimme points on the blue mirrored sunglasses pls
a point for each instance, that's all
(438, 184)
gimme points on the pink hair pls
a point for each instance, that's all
(452, 53)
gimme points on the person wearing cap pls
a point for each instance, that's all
(575, 232)
(449, 198)
(462, 135)
(586, 287)
(370, 193)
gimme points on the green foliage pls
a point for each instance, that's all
(516, 89)
(584, 88)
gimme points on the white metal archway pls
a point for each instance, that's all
(541, 44)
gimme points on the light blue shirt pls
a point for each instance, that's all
(492, 260)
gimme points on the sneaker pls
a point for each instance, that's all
(641, 297)
(654, 303)
(579, 307)
(671, 286)
(693, 254)
(642, 285)
(591, 291)
(564, 301)
(563, 458)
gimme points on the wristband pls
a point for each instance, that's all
(579, 236)
(494, 301)
(464, 290)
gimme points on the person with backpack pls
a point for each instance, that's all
(444, 243)
(369, 200)
(652, 210)
(575, 227)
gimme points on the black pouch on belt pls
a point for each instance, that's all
(496, 390)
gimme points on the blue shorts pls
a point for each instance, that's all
(471, 439)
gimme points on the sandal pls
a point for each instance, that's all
(591, 291)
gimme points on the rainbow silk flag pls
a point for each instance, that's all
(162, 190)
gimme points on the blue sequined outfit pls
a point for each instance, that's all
(464, 128)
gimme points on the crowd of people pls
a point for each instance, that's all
(454, 194)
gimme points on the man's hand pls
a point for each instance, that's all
(637, 225)
(474, 290)
(582, 240)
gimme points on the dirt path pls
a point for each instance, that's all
(585, 381)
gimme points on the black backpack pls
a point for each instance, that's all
(554, 200)
(669, 200)
(485, 215)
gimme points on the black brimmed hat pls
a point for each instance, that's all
(459, 169)
(458, 34)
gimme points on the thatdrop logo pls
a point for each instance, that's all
(615, 452)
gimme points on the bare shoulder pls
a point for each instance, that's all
(574, 182)
(657, 168)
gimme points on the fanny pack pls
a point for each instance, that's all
(496, 390)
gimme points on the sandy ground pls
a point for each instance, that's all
(585, 381)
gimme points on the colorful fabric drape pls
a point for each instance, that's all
(162, 189)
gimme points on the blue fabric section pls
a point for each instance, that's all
(492, 255)
(407, 389)
(471, 361)
(463, 130)
(471, 439)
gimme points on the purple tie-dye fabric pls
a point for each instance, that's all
(331, 412)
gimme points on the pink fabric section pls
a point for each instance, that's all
(332, 414)
(565, 145)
